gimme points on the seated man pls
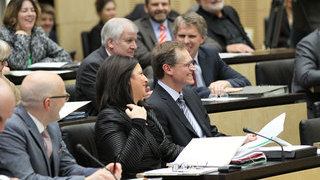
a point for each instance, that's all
(211, 71)
(118, 36)
(224, 26)
(31, 146)
(177, 107)
(307, 68)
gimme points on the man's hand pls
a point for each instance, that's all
(239, 48)
(103, 174)
(219, 87)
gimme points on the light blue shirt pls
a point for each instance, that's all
(157, 30)
(175, 95)
(198, 72)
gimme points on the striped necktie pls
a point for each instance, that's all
(47, 142)
(163, 35)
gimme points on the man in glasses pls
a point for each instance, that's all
(31, 146)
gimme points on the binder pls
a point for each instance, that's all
(260, 91)
(293, 152)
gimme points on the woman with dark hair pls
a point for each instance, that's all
(29, 44)
(106, 9)
(126, 128)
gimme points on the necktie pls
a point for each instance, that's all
(47, 142)
(162, 36)
(182, 104)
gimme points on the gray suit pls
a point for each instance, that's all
(23, 154)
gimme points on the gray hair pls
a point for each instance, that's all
(4, 50)
(191, 18)
(113, 29)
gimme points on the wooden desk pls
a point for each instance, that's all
(272, 168)
(245, 65)
(230, 117)
(17, 80)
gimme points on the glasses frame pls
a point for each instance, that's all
(66, 96)
(188, 64)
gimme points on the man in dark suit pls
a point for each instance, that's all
(211, 71)
(224, 26)
(181, 121)
(31, 146)
(150, 31)
(118, 36)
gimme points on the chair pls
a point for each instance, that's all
(85, 43)
(277, 72)
(71, 89)
(81, 134)
(309, 131)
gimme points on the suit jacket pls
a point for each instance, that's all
(86, 79)
(95, 37)
(213, 68)
(23, 154)
(147, 40)
(216, 33)
(174, 122)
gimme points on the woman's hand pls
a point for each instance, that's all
(250, 137)
(134, 111)
(22, 32)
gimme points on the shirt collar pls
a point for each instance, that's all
(174, 94)
(156, 25)
(39, 125)
(196, 58)
(108, 52)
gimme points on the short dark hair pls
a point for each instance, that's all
(47, 9)
(113, 82)
(101, 3)
(164, 53)
(147, 2)
(10, 19)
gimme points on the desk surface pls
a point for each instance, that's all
(263, 55)
(271, 168)
(213, 107)
(17, 80)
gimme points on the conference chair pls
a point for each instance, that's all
(309, 131)
(277, 72)
(71, 89)
(81, 134)
(85, 43)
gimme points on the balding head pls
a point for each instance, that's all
(7, 103)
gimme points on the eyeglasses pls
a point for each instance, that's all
(67, 96)
(188, 64)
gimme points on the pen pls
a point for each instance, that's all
(116, 158)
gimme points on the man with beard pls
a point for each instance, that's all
(224, 26)
(155, 29)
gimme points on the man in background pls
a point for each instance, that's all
(31, 146)
(224, 26)
(118, 36)
(211, 71)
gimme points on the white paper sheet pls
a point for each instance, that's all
(213, 151)
(223, 98)
(231, 55)
(285, 148)
(25, 73)
(271, 130)
(48, 65)
(169, 172)
(69, 107)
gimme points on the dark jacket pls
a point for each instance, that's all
(216, 33)
(137, 144)
(95, 37)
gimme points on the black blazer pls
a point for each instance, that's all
(214, 69)
(216, 33)
(86, 79)
(174, 122)
(95, 37)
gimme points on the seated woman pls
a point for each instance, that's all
(46, 21)
(29, 44)
(126, 128)
(106, 9)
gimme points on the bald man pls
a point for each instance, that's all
(31, 146)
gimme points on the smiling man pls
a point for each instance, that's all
(178, 107)
(210, 70)
(118, 36)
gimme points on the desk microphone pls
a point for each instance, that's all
(246, 130)
(84, 151)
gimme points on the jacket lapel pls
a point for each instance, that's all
(204, 67)
(175, 109)
(22, 113)
(149, 31)
(55, 149)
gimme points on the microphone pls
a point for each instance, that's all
(246, 130)
(84, 151)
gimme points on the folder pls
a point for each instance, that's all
(290, 152)
(260, 91)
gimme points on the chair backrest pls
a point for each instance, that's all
(85, 43)
(277, 72)
(71, 89)
(309, 131)
(81, 134)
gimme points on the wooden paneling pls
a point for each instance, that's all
(247, 70)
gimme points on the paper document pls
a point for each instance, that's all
(231, 55)
(48, 65)
(69, 107)
(223, 98)
(169, 172)
(25, 73)
(212, 152)
(285, 148)
(271, 130)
